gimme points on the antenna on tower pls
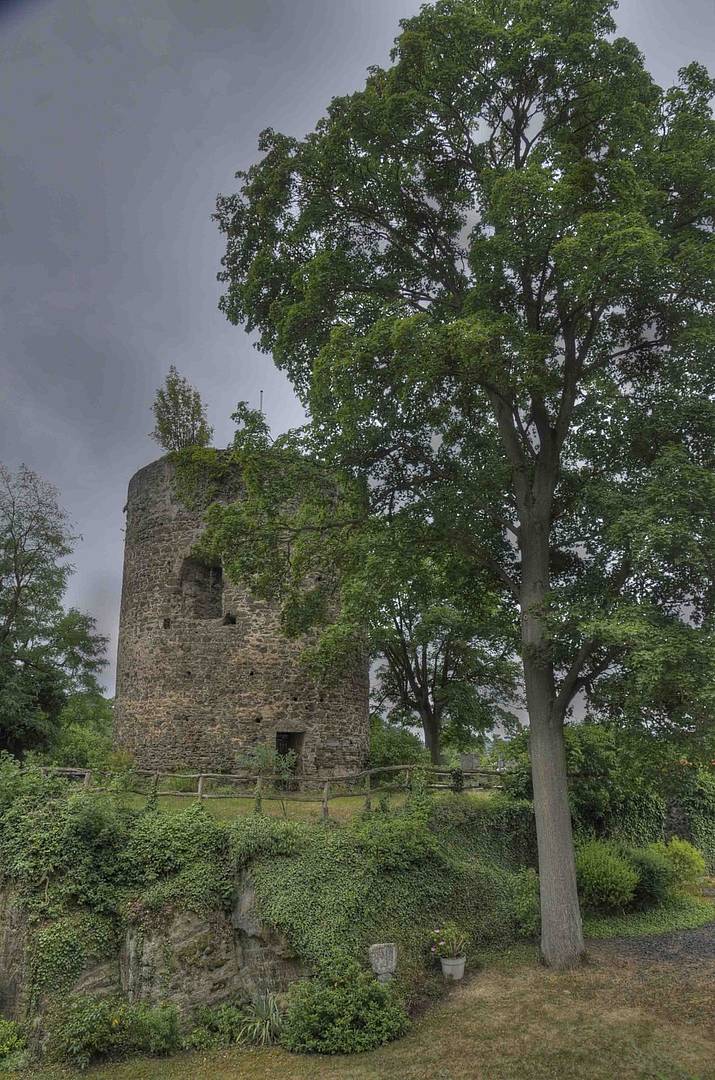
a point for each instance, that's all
(260, 405)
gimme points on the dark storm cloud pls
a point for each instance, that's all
(120, 123)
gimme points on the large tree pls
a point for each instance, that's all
(489, 275)
(379, 584)
(47, 652)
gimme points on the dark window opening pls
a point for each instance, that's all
(202, 588)
(285, 742)
(167, 624)
(290, 740)
(229, 619)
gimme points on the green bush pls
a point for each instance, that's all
(656, 876)
(395, 842)
(215, 1026)
(392, 745)
(691, 797)
(687, 864)
(527, 909)
(262, 1021)
(606, 881)
(11, 1039)
(256, 836)
(82, 1028)
(344, 1010)
(501, 827)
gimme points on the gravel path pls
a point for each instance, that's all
(682, 947)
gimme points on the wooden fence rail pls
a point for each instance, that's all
(439, 779)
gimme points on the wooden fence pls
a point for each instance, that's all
(368, 784)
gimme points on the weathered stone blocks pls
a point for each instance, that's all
(204, 673)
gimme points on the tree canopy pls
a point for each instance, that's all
(300, 534)
(46, 652)
(180, 414)
(489, 276)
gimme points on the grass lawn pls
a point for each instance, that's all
(342, 808)
(614, 1019)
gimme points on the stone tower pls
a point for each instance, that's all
(204, 672)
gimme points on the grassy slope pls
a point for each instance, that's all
(512, 1021)
(341, 809)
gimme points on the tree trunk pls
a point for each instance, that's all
(432, 741)
(561, 930)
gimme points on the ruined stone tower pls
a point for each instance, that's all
(203, 671)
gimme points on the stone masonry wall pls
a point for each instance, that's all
(204, 672)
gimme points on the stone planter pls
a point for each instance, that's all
(453, 967)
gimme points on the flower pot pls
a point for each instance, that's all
(453, 967)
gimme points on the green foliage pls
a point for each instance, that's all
(11, 1038)
(448, 940)
(392, 876)
(693, 792)
(606, 881)
(687, 864)
(265, 837)
(393, 745)
(60, 950)
(214, 1026)
(488, 276)
(527, 914)
(681, 912)
(262, 1021)
(62, 847)
(84, 739)
(179, 414)
(656, 874)
(46, 652)
(82, 1028)
(396, 842)
(502, 827)
(612, 791)
(344, 1010)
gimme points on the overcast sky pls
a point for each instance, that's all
(120, 120)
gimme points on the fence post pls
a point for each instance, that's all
(368, 801)
(258, 804)
(200, 788)
(87, 778)
(325, 811)
(154, 785)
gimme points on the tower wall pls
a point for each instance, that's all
(195, 688)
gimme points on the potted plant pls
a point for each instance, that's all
(449, 943)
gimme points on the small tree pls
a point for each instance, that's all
(180, 415)
(46, 653)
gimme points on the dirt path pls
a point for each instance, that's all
(682, 947)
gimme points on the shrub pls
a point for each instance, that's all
(527, 909)
(11, 1039)
(395, 842)
(656, 876)
(610, 793)
(255, 836)
(687, 863)
(344, 1010)
(393, 745)
(82, 1028)
(262, 1021)
(605, 879)
(215, 1026)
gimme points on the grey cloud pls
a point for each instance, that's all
(121, 123)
